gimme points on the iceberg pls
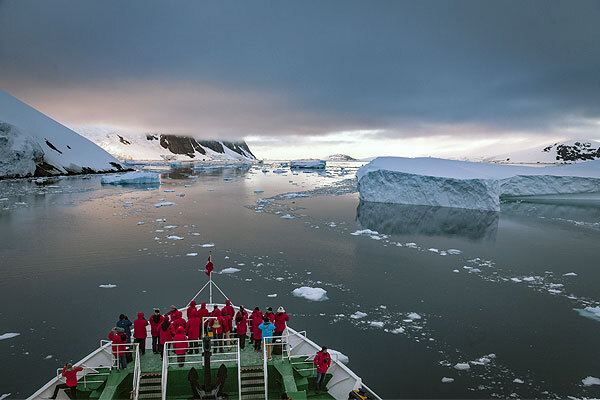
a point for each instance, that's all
(470, 185)
(311, 164)
(311, 293)
(131, 178)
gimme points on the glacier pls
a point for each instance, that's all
(462, 184)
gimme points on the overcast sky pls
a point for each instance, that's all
(311, 78)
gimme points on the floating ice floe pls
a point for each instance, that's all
(397, 330)
(141, 223)
(170, 226)
(258, 191)
(364, 232)
(517, 280)
(376, 324)
(453, 251)
(207, 245)
(174, 237)
(311, 293)
(107, 286)
(191, 254)
(310, 164)
(414, 315)
(517, 380)
(9, 335)
(272, 295)
(570, 274)
(447, 380)
(164, 204)
(130, 178)
(590, 380)
(294, 195)
(287, 216)
(358, 315)
(169, 190)
(49, 356)
(230, 270)
(462, 366)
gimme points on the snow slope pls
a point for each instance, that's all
(152, 147)
(561, 152)
(462, 184)
(32, 144)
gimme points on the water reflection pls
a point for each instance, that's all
(428, 220)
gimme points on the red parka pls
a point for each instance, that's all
(166, 335)
(117, 338)
(191, 309)
(322, 361)
(179, 321)
(280, 320)
(155, 326)
(228, 310)
(71, 375)
(180, 348)
(203, 312)
(271, 316)
(139, 327)
(241, 325)
(193, 327)
(256, 321)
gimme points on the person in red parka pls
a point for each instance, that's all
(166, 332)
(155, 321)
(171, 314)
(241, 326)
(119, 339)
(227, 312)
(280, 321)
(193, 331)
(322, 361)
(217, 324)
(269, 314)
(191, 308)
(71, 374)
(139, 332)
(180, 348)
(202, 313)
(179, 321)
(257, 319)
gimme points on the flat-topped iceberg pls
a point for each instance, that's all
(131, 178)
(312, 164)
(462, 184)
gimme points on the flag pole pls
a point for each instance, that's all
(210, 281)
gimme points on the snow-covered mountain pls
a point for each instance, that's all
(151, 147)
(340, 157)
(32, 144)
(562, 152)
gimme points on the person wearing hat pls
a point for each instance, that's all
(322, 361)
(280, 321)
(155, 321)
(269, 314)
(71, 374)
(172, 314)
(126, 324)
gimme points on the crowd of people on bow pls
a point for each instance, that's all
(223, 324)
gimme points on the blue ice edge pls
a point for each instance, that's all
(587, 314)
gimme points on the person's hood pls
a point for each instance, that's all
(193, 313)
(192, 303)
(203, 305)
(140, 315)
(180, 331)
(227, 302)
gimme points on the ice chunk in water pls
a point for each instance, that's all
(358, 315)
(107, 286)
(311, 293)
(9, 335)
(230, 270)
(130, 178)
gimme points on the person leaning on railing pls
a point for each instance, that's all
(71, 374)
(118, 337)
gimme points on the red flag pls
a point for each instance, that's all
(209, 267)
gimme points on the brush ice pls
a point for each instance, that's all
(462, 184)
(131, 178)
(311, 293)
(9, 335)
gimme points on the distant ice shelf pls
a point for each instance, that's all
(309, 164)
(470, 185)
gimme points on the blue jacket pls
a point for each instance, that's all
(125, 324)
(267, 329)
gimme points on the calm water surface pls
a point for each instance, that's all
(439, 286)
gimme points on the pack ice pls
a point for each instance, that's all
(32, 144)
(463, 184)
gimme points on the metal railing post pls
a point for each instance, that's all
(265, 367)
(239, 369)
(165, 368)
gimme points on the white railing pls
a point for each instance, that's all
(165, 370)
(122, 348)
(137, 374)
(265, 375)
(231, 354)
